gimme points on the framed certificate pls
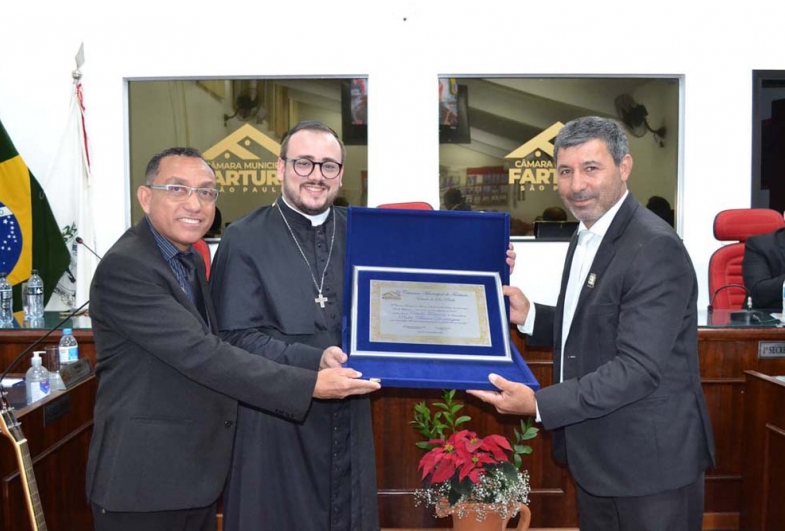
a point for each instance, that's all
(423, 302)
(429, 314)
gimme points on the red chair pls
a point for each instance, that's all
(203, 249)
(412, 205)
(736, 225)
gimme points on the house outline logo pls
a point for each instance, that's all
(230, 145)
(237, 166)
(533, 167)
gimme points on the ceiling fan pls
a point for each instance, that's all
(247, 104)
(634, 116)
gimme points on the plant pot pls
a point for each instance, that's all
(469, 517)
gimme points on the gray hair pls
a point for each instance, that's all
(155, 163)
(582, 130)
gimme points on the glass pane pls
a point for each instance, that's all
(238, 125)
(496, 138)
(768, 139)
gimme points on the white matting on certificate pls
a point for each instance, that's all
(429, 314)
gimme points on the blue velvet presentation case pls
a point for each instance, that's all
(442, 247)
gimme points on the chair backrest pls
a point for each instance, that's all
(412, 205)
(736, 225)
(203, 249)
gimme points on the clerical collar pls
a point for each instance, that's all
(316, 220)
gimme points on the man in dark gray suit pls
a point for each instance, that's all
(764, 269)
(168, 387)
(627, 408)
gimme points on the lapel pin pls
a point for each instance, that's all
(592, 280)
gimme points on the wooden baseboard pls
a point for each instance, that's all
(711, 522)
(720, 521)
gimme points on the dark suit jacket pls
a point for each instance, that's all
(168, 387)
(630, 418)
(764, 269)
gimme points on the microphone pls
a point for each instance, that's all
(41, 339)
(746, 316)
(81, 242)
(748, 303)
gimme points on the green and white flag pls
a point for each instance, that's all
(69, 181)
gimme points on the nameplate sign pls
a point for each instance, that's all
(771, 350)
(73, 373)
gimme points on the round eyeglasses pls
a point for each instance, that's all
(180, 192)
(304, 167)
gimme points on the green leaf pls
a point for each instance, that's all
(423, 444)
(422, 408)
(461, 420)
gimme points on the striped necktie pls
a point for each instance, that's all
(196, 295)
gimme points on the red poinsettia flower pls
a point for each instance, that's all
(440, 461)
(465, 453)
(454, 454)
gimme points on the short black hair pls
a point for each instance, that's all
(311, 125)
(452, 197)
(155, 163)
(554, 213)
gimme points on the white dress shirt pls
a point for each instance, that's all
(589, 241)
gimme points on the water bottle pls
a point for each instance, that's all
(6, 301)
(35, 296)
(69, 348)
(36, 379)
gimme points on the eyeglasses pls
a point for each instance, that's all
(304, 167)
(180, 192)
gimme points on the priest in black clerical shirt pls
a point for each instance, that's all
(277, 279)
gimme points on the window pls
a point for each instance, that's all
(768, 139)
(496, 138)
(238, 125)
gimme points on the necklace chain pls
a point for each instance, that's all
(320, 300)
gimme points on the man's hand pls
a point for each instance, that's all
(519, 304)
(340, 383)
(332, 357)
(511, 258)
(512, 399)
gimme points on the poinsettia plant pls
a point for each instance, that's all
(460, 467)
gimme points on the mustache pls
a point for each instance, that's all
(580, 196)
(314, 183)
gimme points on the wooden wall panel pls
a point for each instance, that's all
(59, 455)
(724, 356)
(764, 454)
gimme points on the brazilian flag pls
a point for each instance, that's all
(29, 234)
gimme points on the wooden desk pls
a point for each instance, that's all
(58, 430)
(725, 354)
(764, 453)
